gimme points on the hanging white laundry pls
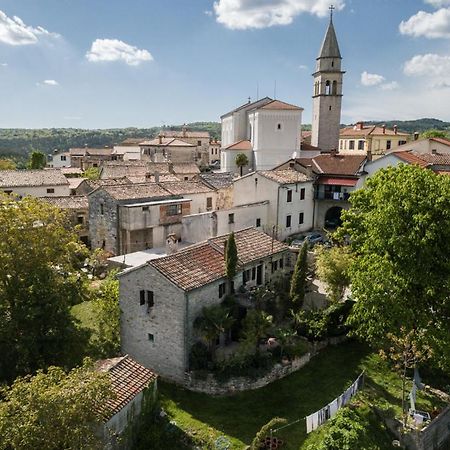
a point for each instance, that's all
(333, 407)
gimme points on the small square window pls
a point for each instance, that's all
(101, 209)
(50, 191)
(186, 178)
(388, 145)
(80, 220)
(230, 218)
(279, 126)
(151, 337)
(258, 223)
(199, 143)
(145, 209)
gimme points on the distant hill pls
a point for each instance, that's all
(18, 142)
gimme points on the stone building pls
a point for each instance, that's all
(160, 300)
(85, 157)
(214, 151)
(36, 183)
(163, 149)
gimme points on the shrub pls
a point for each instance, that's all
(199, 356)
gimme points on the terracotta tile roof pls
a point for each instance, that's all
(217, 180)
(203, 263)
(369, 130)
(128, 379)
(438, 159)
(136, 191)
(166, 142)
(185, 187)
(240, 145)
(279, 105)
(132, 141)
(185, 168)
(68, 202)
(32, 178)
(93, 184)
(85, 151)
(334, 165)
(71, 171)
(411, 158)
(114, 169)
(287, 176)
(74, 183)
(188, 134)
(150, 178)
(441, 140)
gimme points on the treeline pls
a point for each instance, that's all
(17, 143)
(411, 126)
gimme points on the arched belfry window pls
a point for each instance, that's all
(334, 90)
(328, 88)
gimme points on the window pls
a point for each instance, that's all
(327, 87)
(274, 266)
(301, 218)
(80, 220)
(258, 223)
(186, 178)
(101, 209)
(281, 263)
(253, 273)
(332, 63)
(146, 298)
(145, 209)
(302, 194)
(289, 196)
(351, 145)
(329, 108)
(173, 210)
(199, 143)
(63, 158)
(288, 221)
(50, 191)
(230, 218)
(8, 191)
(334, 90)
(360, 145)
(401, 142)
(208, 202)
(222, 289)
(279, 126)
(151, 337)
(388, 145)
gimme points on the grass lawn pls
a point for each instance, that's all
(240, 417)
(85, 314)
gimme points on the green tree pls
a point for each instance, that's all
(241, 161)
(212, 324)
(39, 283)
(37, 160)
(93, 173)
(7, 164)
(231, 260)
(107, 316)
(434, 134)
(256, 326)
(399, 228)
(332, 267)
(298, 280)
(54, 410)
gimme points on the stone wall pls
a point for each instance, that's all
(212, 387)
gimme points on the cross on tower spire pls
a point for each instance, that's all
(331, 8)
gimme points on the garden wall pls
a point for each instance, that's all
(213, 387)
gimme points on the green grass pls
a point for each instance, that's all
(85, 314)
(240, 417)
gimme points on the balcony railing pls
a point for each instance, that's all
(337, 196)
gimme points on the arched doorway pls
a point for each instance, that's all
(333, 218)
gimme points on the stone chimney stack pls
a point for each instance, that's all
(309, 172)
(170, 167)
(171, 244)
(369, 155)
(160, 137)
(395, 129)
(156, 176)
(333, 152)
(384, 128)
(184, 129)
(416, 136)
(360, 126)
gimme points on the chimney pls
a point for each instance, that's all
(171, 244)
(369, 155)
(184, 129)
(360, 126)
(156, 176)
(160, 138)
(395, 129)
(309, 171)
(384, 128)
(416, 136)
(170, 166)
(333, 152)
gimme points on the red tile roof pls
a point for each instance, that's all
(240, 145)
(441, 140)
(128, 379)
(334, 164)
(369, 130)
(279, 105)
(411, 158)
(203, 263)
(287, 176)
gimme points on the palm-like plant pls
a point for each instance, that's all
(214, 321)
(241, 161)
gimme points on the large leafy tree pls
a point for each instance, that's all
(7, 164)
(399, 228)
(298, 280)
(37, 160)
(54, 410)
(39, 283)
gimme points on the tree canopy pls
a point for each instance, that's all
(399, 228)
(241, 161)
(39, 283)
(298, 281)
(54, 410)
(434, 134)
(7, 164)
(37, 160)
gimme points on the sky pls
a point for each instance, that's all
(143, 63)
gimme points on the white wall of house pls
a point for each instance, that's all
(228, 161)
(389, 160)
(38, 191)
(425, 146)
(60, 160)
(129, 152)
(256, 188)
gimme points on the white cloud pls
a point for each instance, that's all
(13, 31)
(438, 3)
(208, 13)
(51, 82)
(302, 66)
(392, 85)
(435, 69)
(115, 50)
(245, 14)
(4, 64)
(431, 25)
(371, 79)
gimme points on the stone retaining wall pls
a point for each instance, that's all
(212, 387)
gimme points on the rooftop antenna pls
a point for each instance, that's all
(275, 90)
(257, 91)
(249, 99)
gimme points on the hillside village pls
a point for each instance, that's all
(221, 274)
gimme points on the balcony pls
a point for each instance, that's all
(336, 196)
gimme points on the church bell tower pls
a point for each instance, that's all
(327, 98)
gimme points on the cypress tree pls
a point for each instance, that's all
(298, 281)
(231, 259)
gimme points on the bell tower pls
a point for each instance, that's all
(327, 95)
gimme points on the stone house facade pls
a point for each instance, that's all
(161, 299)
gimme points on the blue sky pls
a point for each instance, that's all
(116, 63)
